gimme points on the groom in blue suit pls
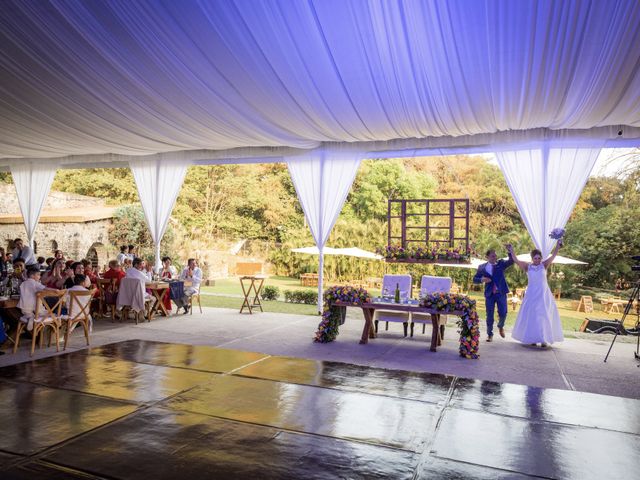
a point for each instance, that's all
(495, 290)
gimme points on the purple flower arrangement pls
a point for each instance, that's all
(328, 328)
(468, 321)
(425, 253)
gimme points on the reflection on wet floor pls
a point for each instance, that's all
(141, 410)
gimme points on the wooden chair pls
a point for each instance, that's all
(78, 313)
(389, 282)
(195, 296)
(108, 293)
(45, 316)
(430, 284)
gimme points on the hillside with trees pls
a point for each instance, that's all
(225, 203)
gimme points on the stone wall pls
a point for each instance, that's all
(9, 200)
(74, 239)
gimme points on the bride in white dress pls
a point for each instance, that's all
(538, 319)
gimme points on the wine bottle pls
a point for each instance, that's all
(397, 295)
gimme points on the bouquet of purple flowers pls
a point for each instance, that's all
(557, 233)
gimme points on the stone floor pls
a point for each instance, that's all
(575, 364)
(142, 409)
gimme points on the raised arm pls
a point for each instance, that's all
(550, 260)
(512, 256)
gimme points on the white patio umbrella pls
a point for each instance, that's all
(348, 252)
(473, 265)
(560, 260)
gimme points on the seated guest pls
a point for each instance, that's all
(89, 271)
(76, 269)
(3, 264)
(114, 271)
(28, 290)
(42, 264)
(68, 263)
(193, 274)
(148, 271)
(19, 270)
(137, 270)
(22, 251)
(49, 261)
(168, 272)
(122, 256)
(55, 276)
(128, 263)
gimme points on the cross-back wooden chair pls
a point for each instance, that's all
(107, 298)
(46, 315)
(79, 313)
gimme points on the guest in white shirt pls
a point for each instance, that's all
(193, 274)
(132, 252)
(24, 252)
(28, 291)
(138, 270)
(122, 256)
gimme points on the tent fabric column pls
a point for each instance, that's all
(158, 182)
(33, 184)
(546, 182)
(322, 179)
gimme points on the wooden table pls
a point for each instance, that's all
(368, 309)
(309, 279)
(255, 283)
(158, 290)
(9, 303)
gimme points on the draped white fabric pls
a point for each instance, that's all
(322, 179)
(546, 183)
(137, 78)
(33, 183)
(158, 183)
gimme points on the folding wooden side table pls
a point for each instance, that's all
(254, 283)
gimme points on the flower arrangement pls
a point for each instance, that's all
(557, 233)
(468, 321)
(332, 314)
(424, 253)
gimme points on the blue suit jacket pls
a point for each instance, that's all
(497, 277)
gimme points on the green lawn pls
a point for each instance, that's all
(229, 295)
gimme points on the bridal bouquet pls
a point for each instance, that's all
(557, 233)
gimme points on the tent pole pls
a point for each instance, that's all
(320, 278)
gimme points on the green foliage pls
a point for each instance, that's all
(307, 297)
(379, 181)
(269, 292)
(259, 202)
(130, 228)
(116, 185)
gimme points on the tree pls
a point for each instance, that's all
(379, 181)
(130, 228)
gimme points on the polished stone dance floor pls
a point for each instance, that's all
(141, 409)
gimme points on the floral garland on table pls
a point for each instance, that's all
(468, 321)
(398, 252)
(331, 313)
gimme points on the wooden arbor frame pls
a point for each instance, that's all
(430, 222)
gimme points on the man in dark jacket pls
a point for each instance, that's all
(495, 290)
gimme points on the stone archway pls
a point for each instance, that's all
(97, 255)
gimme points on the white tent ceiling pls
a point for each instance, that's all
(241, 79)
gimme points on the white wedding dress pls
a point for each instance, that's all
(538, 319)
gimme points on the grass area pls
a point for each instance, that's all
(571, 320)
(276, 306)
